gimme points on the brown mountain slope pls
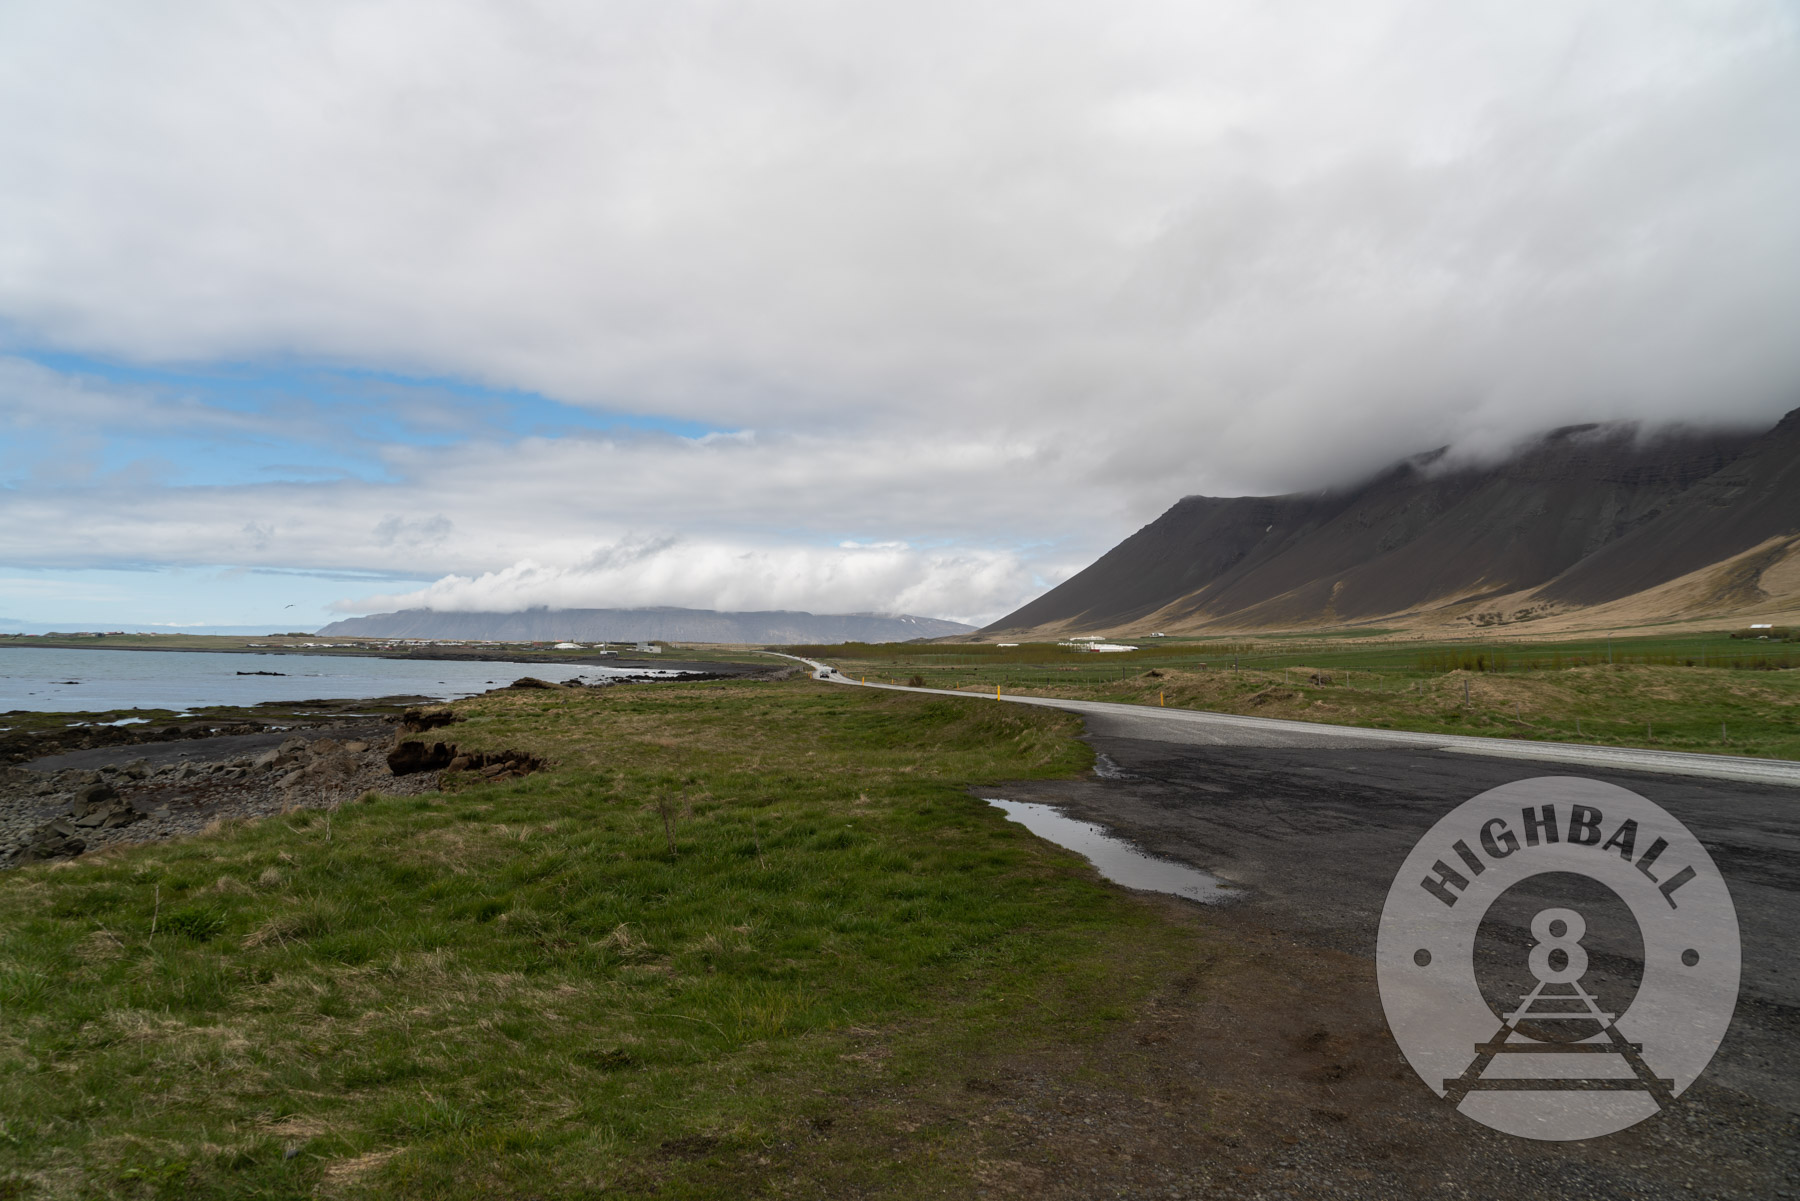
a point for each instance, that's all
(1584, 516)
(1752, 499)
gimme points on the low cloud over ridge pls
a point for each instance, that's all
(964, 586)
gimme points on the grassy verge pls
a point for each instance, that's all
(661, 966)
(1676, 705)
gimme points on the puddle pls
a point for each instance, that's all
(1115, 858)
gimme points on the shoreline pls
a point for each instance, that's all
(70, 786)
(31, 734)
(88, 801)
(722, 667)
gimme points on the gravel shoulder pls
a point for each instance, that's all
(1292, 1031)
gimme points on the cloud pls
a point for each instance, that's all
(969, 585)
(395, 531)
(1000, 279)
(585, 513)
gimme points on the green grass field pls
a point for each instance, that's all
(1709, 693)
(660, 966)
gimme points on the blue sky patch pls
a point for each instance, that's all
(248, 423)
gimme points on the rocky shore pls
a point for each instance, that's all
(86, 739)
(80, 786)
(48, 815)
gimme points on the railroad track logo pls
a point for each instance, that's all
(1558, 958)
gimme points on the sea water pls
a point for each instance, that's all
(64, 680)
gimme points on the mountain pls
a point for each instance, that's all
(646, 625)
(1686, 523)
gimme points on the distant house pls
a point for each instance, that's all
(647, 648)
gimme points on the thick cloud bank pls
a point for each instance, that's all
(998, 280)
(842, 579)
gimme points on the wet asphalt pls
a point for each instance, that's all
(1314, 830)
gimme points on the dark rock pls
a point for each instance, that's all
(94, 796)
(414, 756)
(58, 839)
(96, 806)
(417, 721)
(500, 765)
(532, 682)
(51, 846)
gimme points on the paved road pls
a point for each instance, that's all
(1314, 821)
(1196, 727)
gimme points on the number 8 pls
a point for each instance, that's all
(1567, 940)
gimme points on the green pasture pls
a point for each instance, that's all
(662, 967)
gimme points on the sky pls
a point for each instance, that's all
(316, 309)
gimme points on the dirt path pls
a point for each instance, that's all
(1268, 1071)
